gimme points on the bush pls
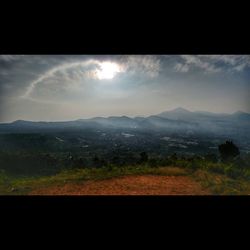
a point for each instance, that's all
(211, 158)
(233, 172)
(216, 168)
(153, 162)
(194, 165)
(228, 151)
(144, 157)
(110, 167)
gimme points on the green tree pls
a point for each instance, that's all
(143, 157)
(228, 151)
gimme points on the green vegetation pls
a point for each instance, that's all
(228, 151)
(220, 184)
(23, 171)
(12, 186)
(219, 178)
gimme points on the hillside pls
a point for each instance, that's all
(197, 178)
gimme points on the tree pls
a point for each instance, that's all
(143, 157)
(228, 151)
(96, 161)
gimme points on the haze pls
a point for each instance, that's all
(69, 87)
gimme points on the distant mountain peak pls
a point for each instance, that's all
(119, 117)
(180, 109)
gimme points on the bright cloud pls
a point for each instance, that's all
(139, 83)
(213, 63)
(95, 69)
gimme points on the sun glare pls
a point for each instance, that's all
(107, 70)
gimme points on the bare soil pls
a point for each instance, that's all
(129, 185)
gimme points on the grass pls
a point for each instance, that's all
(220, 179)
(220, 184)
(24, 185)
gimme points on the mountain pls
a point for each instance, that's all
(178, 120)
(241, 115)
(115, 121)
(186, 115)
(177, 114)
(112, 122)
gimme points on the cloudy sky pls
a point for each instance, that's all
(69, 87)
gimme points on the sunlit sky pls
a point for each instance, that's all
(70, 87)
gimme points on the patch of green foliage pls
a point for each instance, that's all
(236, 168)
(220, 184)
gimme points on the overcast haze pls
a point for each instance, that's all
(65, 87)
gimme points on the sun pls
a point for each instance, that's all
(107, 70)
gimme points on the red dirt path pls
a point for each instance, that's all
(129, 185)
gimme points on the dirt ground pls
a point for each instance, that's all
(129, 185)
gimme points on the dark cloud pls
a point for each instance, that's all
(145, 84)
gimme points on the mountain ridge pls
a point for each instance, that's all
(178, 110)
(174, 121)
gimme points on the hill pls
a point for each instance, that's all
(178, 120)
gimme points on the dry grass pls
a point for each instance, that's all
(221, 184)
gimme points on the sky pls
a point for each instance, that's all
(71, 87)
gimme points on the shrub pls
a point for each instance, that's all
(143, 158)
(211, 158)
(240, 164)
(216, 168)
(228, 151)
(153, 162)
(233, 172)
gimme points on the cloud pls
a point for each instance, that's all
(213, 63)
(54, 82)
(179, 67)
(78, 70)
(235, 62)
(146, 64)
(61, 71)
(196, 61)
(9, 58)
